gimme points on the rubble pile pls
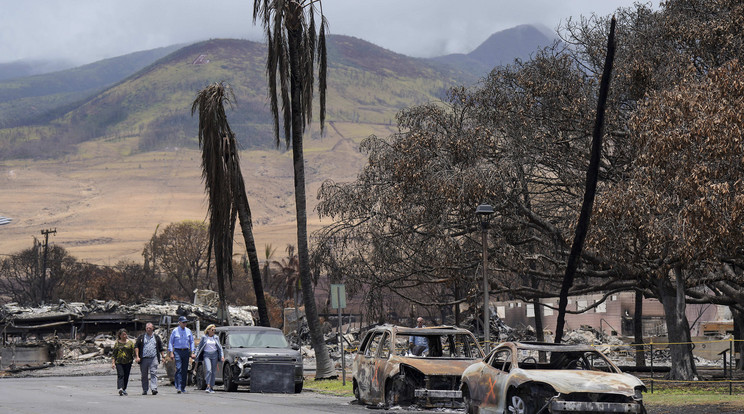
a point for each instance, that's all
(34, 337)
(14, 316)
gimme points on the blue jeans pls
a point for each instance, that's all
(182, 368)
(210, 365)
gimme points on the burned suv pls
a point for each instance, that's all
(393, 367)
(246, 347)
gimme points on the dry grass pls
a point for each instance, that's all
(106, 204)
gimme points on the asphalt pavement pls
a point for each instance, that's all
(98, 394)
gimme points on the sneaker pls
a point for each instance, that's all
(154, 392)
(178, 391)
(125, 392)
(144, 392)
(121, 391)
(207, 390)
(183, 390)
(211, 391)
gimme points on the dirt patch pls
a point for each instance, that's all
(106, 206)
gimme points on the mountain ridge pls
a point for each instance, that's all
(126, 159)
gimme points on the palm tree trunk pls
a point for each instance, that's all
(592, 174)
(246, 226)
(324, 367)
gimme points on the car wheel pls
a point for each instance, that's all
(470, 407)
(227, 379)
(298, 387)
(355, 388)
(390, 398)
(521, 403)
(398, 392)
(201, 383)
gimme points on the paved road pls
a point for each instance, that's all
(97, 394)
(68, 395)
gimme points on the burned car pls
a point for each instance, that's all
(245, 346)
(530, 378)
(389, 370)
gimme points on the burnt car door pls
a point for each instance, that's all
(366, 367)
(493, 379)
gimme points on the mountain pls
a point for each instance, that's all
(25, 68)
(366, 84)
(107, 164)
(40, 98)
(501, 48)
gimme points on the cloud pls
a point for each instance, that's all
(85, 30)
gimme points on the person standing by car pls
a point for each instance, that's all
(210, 351)
(181, 347)
(418, 344)
(147, 351)
(122, 357)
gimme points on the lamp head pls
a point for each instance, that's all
(483, 211)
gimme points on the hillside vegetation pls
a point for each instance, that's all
(41, 98)
(106, 170)
(367, 85)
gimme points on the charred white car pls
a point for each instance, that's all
(392, 368)
(532, 378)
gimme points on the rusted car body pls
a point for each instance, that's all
(530, 378)
(386, 370)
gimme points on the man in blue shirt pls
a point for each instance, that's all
(181, 347)
(418, 344)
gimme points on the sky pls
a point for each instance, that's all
(83, 31)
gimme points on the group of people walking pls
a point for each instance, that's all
(148, 349)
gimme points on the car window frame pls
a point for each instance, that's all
(506, 360)
(386, 338)
(370, 341)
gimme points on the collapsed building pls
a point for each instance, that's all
(38, 336)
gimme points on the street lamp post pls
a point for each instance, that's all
(483, 212)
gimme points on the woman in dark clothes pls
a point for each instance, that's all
(122, 357)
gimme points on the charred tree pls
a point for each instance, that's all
(640, 355)
(592, 174)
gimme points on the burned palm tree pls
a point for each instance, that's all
(293, 48)
(226, 192)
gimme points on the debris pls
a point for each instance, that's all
(34, 337)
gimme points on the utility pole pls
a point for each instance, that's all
(45, 233)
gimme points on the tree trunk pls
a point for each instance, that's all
(246, 226)
(592, 174)
(672, 296)
(640, 356)
(534, 282)
(324, 366)
(457, 304)
(738, 317)
(539, 331)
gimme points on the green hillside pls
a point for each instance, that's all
(41, 98)
(367, 85)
